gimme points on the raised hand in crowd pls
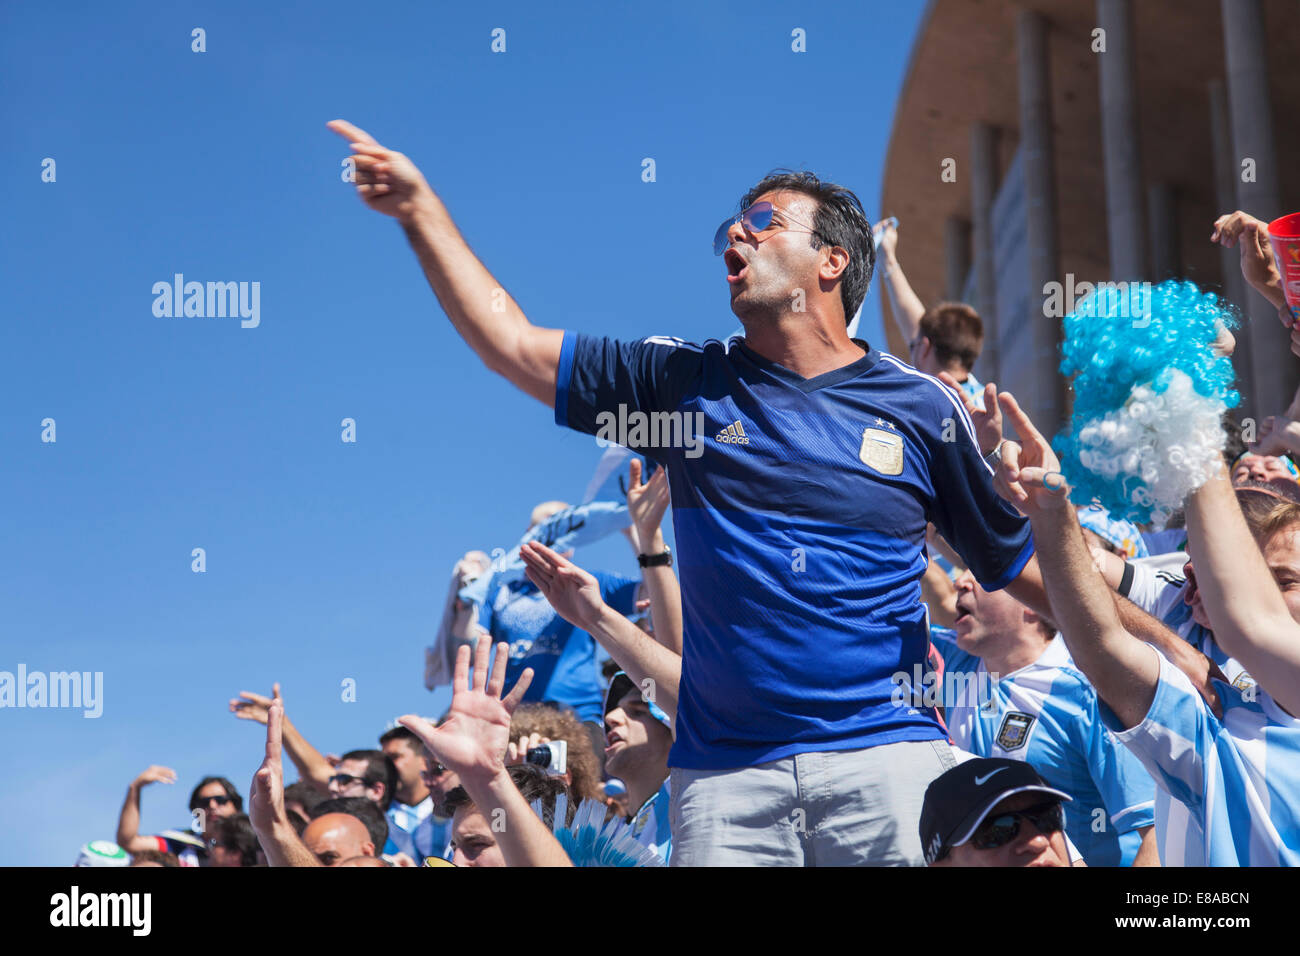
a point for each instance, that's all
(647, 503)
(275, 832)
(473, 741)
(128, 824)
(575, 595)
(987, 420)
(1250, 235)
(313, 768)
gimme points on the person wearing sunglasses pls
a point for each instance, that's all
(800, 509)
(994, 812)
(214, 797)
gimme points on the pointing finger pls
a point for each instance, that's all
(350, 132)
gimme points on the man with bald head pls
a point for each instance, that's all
(336, 837)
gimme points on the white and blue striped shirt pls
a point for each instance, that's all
(1239, 777)
(1047, 714)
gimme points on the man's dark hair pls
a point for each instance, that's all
(956, 331)
(235, 833)
(533, 782)
(226, 785)
(379, 769)
(413, 742)
(839, 221)
(305, 794)
(364, 809)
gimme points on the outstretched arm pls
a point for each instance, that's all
(487, 318)
(1249, 614)
(473, 741)
(575, 595)
(1123, 671)
(128, 824)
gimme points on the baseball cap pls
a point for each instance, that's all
(102, 853)
(957, 802)
(619, 687)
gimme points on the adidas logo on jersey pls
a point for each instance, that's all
(733, 434)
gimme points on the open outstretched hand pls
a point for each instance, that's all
(474, 738)
(573, 592)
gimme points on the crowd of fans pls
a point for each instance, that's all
(1106, 694)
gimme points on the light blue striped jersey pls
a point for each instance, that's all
(416, 831)
(1047, 714)
(1159, 592)
(1238, 777)
(650, 824)
(1157, 585)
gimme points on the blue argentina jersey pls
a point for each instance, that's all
(1046, 714)
(799, 507)
(1238, 777)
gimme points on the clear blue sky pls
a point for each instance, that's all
(327, 560)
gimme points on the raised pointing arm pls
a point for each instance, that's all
(485, 315)
(1123, 671)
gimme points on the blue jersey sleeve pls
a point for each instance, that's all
(992, 538)
(598, 377)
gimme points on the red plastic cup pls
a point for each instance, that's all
(1284, 237)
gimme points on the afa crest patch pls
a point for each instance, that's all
(882, 450)
(1014, 732)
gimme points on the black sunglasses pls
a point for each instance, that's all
(1002, 829)
(346, 780)
(205, 801)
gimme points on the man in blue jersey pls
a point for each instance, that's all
(803, 467)
(1236, 771)
(1016, 694)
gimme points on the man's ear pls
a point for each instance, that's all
(837, 260)
(368, 849)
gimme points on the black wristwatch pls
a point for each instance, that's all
(656, 560)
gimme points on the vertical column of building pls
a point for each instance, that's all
(983, 190)
(1048, 401)
(1125, 222)
(1225, 200)
(956, 256)
(1166, 251)
(1272, 369)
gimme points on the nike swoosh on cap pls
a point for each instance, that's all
(980, 781)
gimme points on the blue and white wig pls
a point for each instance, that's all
(1149, 397)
